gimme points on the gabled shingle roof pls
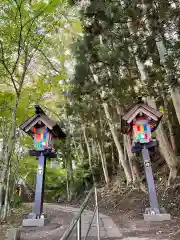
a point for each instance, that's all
(53, 126)
(142, 106)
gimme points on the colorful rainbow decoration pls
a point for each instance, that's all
(141, 131)
(42, 139)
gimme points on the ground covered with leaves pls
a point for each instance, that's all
(58, 222)
(14, 220)
(126, 207)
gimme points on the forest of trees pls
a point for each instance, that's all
(85, 63)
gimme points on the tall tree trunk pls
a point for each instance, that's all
(81, 146)
(163, 55)
(166, 150)
(165, 147)
(9, 149)
(122, 160)
(76, 149)
(134, 171)
(175, 95)
(89, 153)
(68, 186)
(113, 160)
(1, 195)
(174, 88)
(2, 174)
(133, 164)
(81, 150)
(70, 179)
(170, 128)
(104, 163)
(6, 200)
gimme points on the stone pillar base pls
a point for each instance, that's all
(34, 222)
(152, 215)
(157, 217)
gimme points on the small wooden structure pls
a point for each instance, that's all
(43, 130)
(41, 120)
(140, 110)
(140, 121)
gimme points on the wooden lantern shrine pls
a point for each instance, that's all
(43, 130)
(139, 122)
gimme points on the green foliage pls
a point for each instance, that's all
(16, 201)
(48, 48)
(83, 180)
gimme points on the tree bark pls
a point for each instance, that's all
(133, 165)
(9, 151)
(1, 195)
(163, 55)
(103, 162)
(82, 151)
(70, 179)
(113, 160)
(89, 153)
(166, 150)
(174, 90)
(2, 174)
(175, 95)
(6, 199)
(67, 186)
(134, 171)
(170, 128)
(122, 161)
(76, 149)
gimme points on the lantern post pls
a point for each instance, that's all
(44, 131)
(139, 122)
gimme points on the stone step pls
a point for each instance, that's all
(13, 234)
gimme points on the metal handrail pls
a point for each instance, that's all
(90, 224)
(77, 219)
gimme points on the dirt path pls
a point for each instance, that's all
(121, 227)
(136, 228)
(58, 223)
(124, 225)
(60, 218)
(14, 220)
(108, 228)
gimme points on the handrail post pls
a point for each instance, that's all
(97, 213)
(76, 222)
(79, 229)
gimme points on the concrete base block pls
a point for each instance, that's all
(14, 234)
(157, 217)
(34, 222)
